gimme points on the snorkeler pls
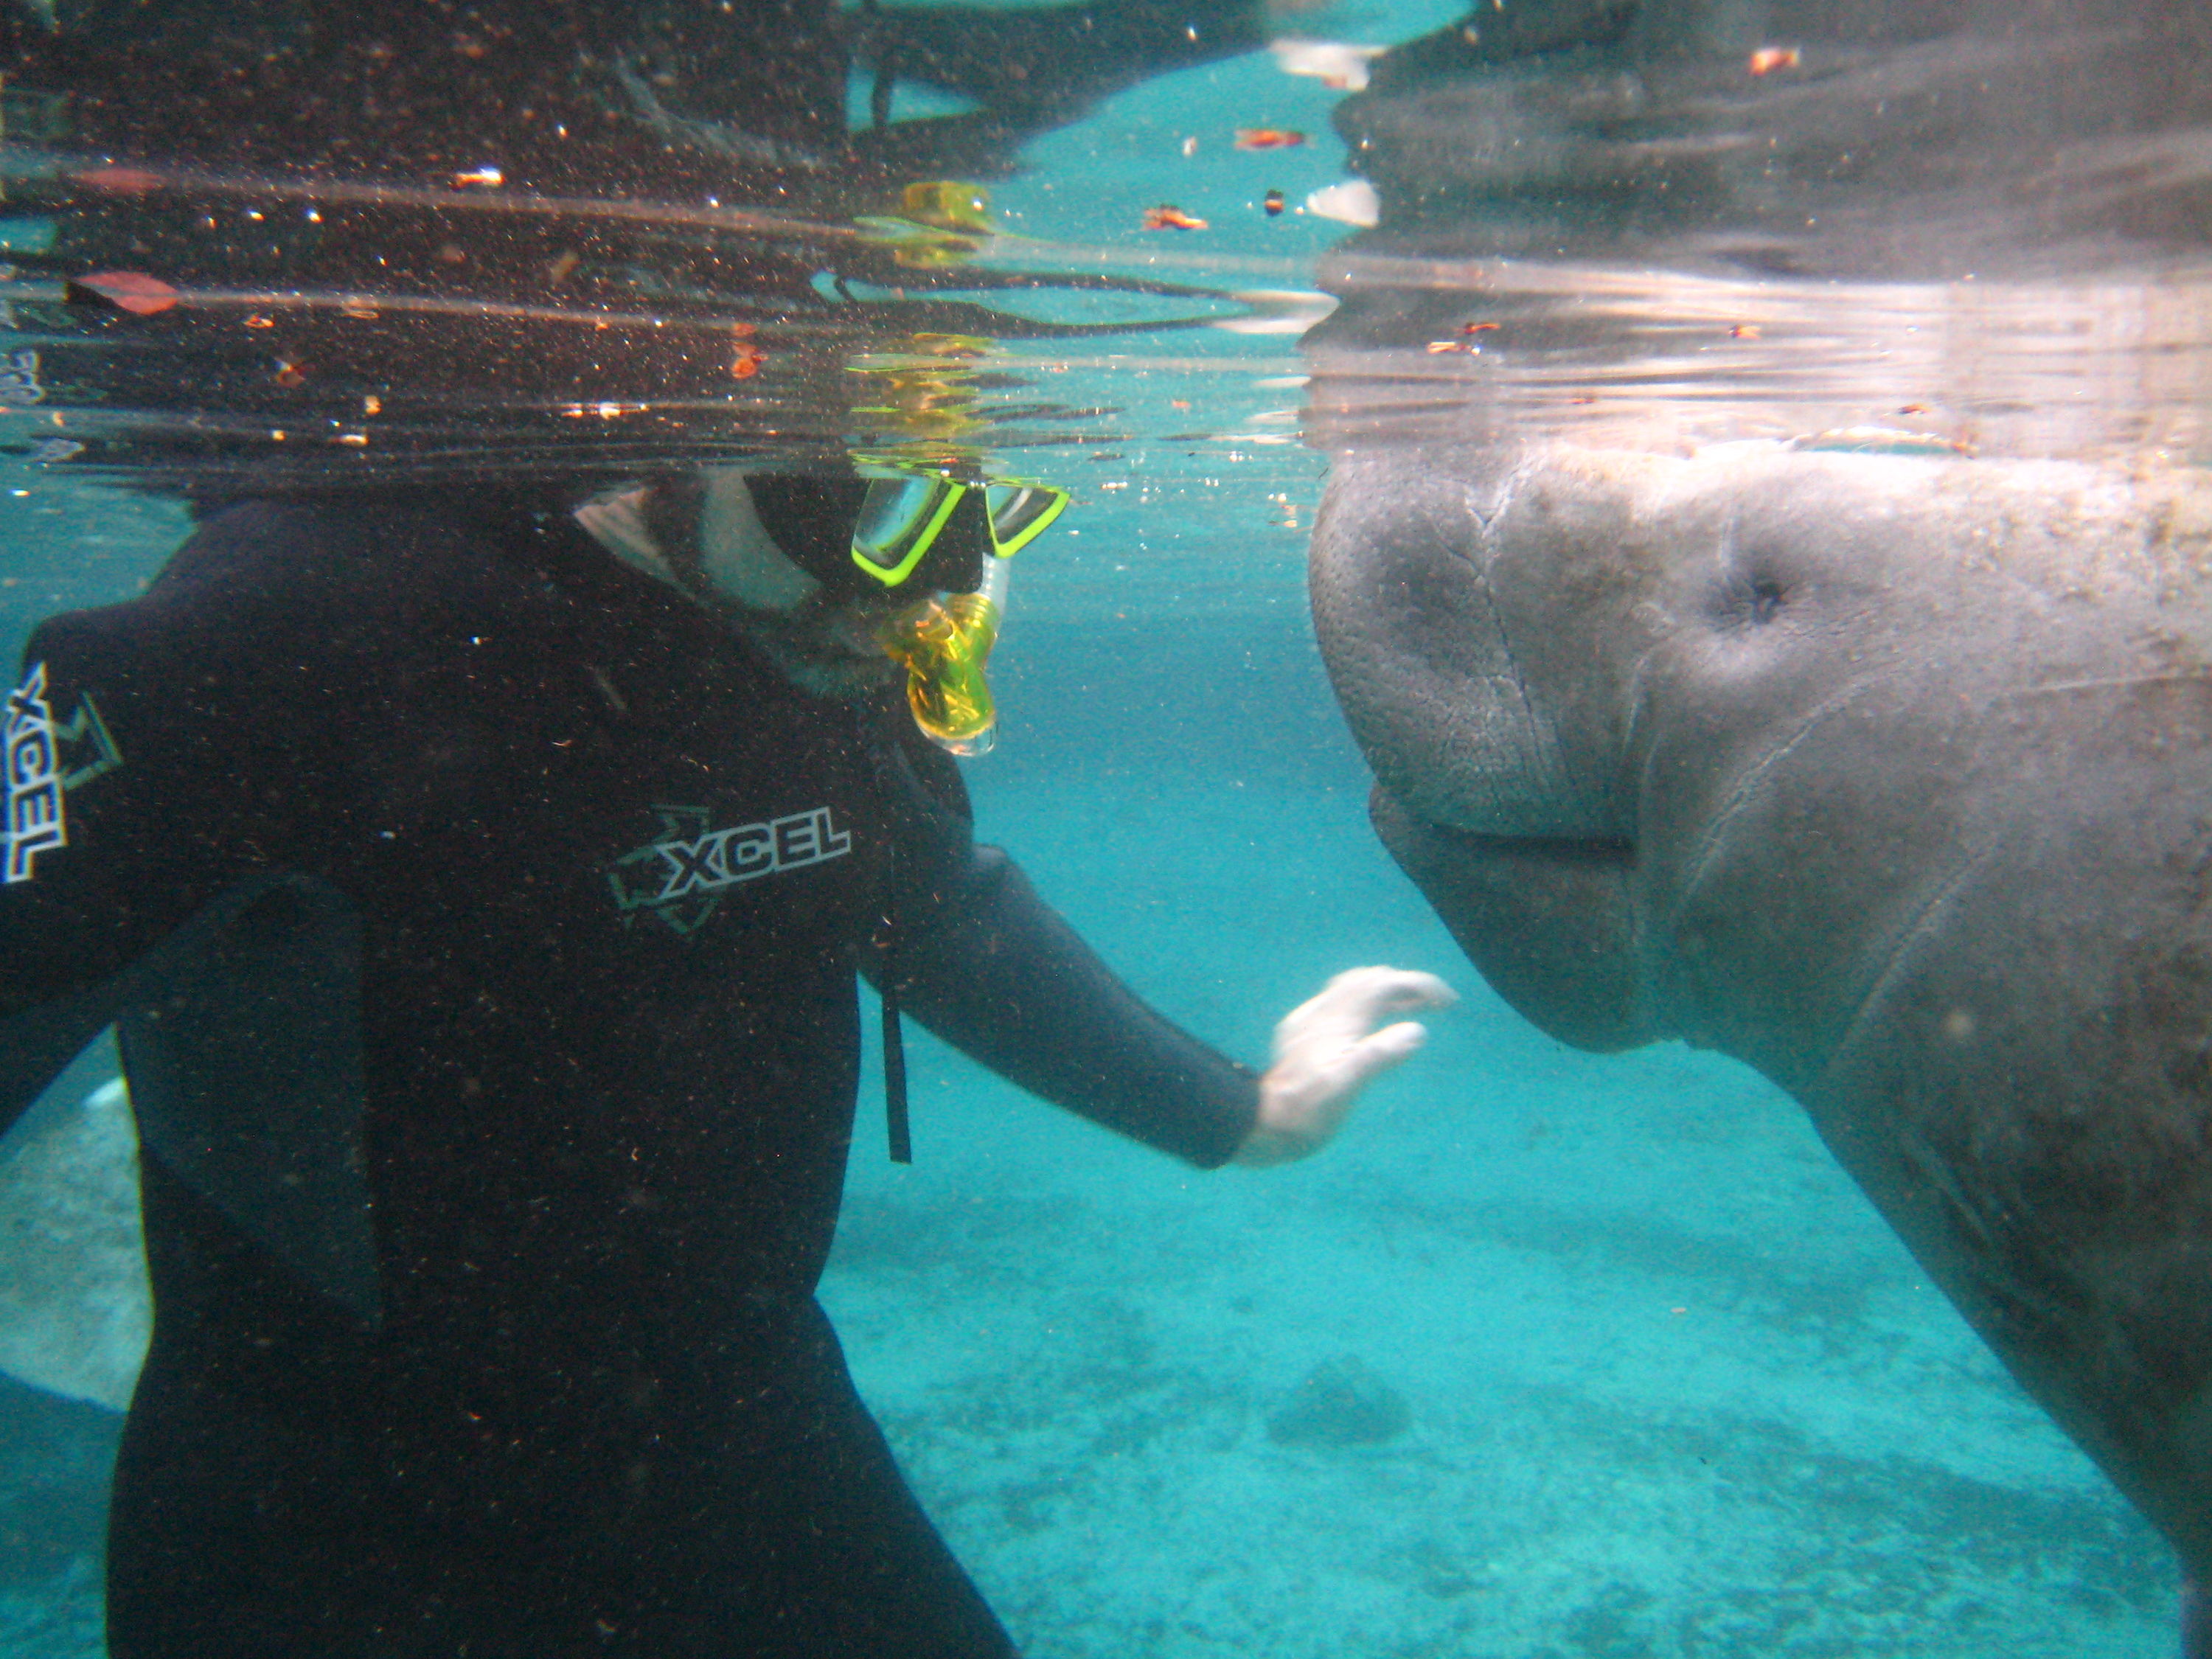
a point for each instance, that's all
(480, 914)
(473, 834)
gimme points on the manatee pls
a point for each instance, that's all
(1889, 775)
(1767, 563)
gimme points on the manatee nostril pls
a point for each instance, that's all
(1751, 601)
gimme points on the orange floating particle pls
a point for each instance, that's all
(742, 331)
(1168, 216)
(1744, 331)
(1479, 328)
(259, 321)
(126, 290)
(1268, 138)
(1767, 59)
(1272, 204)
(1912, 409)
(483, 178)
(1438, 347)
(1179, 402)
(746, 361)
(289, 373)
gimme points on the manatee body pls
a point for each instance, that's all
(1890, 776)
(1768, 564)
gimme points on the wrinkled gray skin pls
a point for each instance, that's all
(1888, 774)
(1892, 777)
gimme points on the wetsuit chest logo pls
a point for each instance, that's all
(35, 823)
(38, 751)
(679, 877)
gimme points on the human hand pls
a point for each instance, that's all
(1324, 1054)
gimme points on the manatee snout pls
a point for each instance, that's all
(1491, 728)
(1475, 711)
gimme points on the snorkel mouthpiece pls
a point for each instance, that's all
(943, 643)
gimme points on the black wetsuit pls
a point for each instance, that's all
(481, 925)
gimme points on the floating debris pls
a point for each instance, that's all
(1479, 328)
(1339, 67)
(1744, 331)
(1168, 216)
(480, 178)
(126, 290)
(1268, 138)
(1767, 59)
(1354, 202)
(1272, 204)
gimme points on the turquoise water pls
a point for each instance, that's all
(1672, 1390)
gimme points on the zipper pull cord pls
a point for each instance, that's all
(895, 1126)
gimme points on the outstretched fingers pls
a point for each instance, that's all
(1326, 1051)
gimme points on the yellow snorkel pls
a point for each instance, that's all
(944, 638)
(944, 643)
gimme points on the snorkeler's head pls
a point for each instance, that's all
(842, 579)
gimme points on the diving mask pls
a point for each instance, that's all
(907, 518)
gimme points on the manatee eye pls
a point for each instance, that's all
(1766, 600)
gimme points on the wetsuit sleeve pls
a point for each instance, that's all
(983, 962)
(139, 791)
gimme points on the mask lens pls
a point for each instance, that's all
(1020, 513)
(899, 519)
